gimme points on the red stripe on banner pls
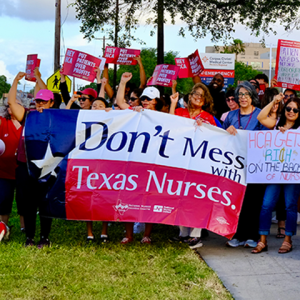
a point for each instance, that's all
(103, 190)
(212, 73)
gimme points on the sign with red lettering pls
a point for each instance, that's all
(121, 56)
(207, 76)
(163, 75)
(82, 65)
(31, 63)
(190, 66)
(273, 156)
(138, 167)
(287, 69)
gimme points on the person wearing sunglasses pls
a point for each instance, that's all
(230, 101)
(289, 94)
(289, 119)
(245, 118)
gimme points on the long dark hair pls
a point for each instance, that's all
(282, 119)
(269, 94)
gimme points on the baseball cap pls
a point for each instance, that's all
(88, 91)
(45, 95)
(150, 92)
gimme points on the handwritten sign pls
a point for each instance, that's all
(31, 63)
(121, 56)
(287, 69)
(273, 157)
(163, 75)
(82, 65)
(190, 66)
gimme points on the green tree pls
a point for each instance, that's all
(244, 72)
(237, 46)
(149, 59)
(92, 85)
(4, 86)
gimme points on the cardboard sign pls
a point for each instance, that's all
(31, 63)
(82, 65)
(163, 75)
(273, 156)
(287, 69)
(121, 56)
(190, 66)
(218, 61)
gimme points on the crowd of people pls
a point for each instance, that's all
(243, 108)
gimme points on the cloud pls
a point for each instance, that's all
(33, 10)
(4, 71)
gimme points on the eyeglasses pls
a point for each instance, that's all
(241, 95)
(83, 99)
(40, 102)
(146, 99)
(133, 99)
(289, 96)
(295, 110)
(197, 95)
(230, 99)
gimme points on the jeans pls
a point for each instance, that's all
(291, 194)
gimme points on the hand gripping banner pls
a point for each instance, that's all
(138, 167)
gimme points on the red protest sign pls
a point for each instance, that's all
(31, 63)
(82, 65)
(121, 56)
(287, 69)
(190, 66)
(163, 75)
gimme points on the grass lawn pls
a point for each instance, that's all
(70, 269)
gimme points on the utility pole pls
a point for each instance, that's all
(57, 34)
(103, 49)
(160, 36)
(116, 43)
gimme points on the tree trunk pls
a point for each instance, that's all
(57, 35)
(160, 36)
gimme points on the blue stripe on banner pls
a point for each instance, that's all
(43, 137)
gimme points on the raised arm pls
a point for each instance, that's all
(121, 90)
(102, 89)
(72, 100)
(196, 79)
(174, 99)
(42, 85)
(263, 116)
(174, 85)
(143, 78)
(17, 110)
(108, 89)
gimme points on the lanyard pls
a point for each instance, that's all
(240, 126)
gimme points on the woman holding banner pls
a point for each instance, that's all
(245, 118)
(289, 119)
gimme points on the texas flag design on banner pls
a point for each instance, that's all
(145, 167)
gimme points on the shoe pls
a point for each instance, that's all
(29, 242)
(195, 243)
(23, 230)
(285, 247)
(90, 239)
(146, 240)
(250, 244)
(104, 238)
(179, 238)
(43, 243)
(280, 234)
(235, 243)
(126, 240)
(260, 248)
(4, 231)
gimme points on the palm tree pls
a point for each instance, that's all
(237, 46)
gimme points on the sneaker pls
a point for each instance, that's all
(126, 240)
(43, 243)
(29, 242)
(195, 243)
(146, 240)
(250, 244)
(90, 239)
(4, 231)
(104, 238)
(179, 238)
(23, 230)
(235, 243)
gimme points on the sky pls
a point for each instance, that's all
(27, 27)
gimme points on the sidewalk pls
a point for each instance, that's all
(267, 275)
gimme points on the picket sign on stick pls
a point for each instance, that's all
(121, 56)
(82, 65)
(190, 66)
(138, 167)
(287, 69)
(31, 63)
(163, 75)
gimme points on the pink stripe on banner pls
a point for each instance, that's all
(103, 190)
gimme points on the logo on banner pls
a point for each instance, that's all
(205, 59)
(121, 208)
(158, 208)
